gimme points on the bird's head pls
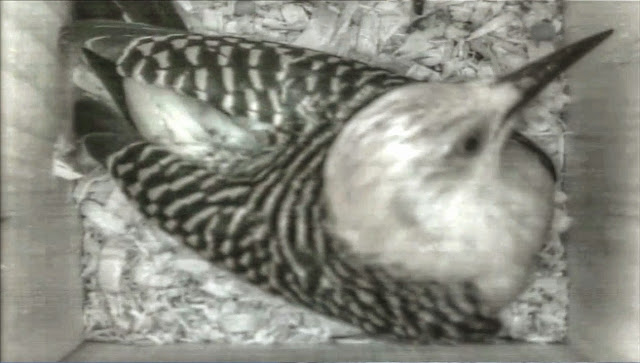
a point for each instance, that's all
(428, 178)
(438, 131)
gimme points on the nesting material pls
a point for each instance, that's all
(144, 287)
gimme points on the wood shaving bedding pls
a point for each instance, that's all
(143, 287)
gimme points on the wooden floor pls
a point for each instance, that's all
(343, 353)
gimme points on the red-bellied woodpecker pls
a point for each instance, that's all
(407, 208)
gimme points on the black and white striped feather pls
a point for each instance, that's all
(268, 223)
(289, 88)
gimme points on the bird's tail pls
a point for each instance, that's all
(99, 129)
(106, 27)
(98, 35)
(107, 38)
(154, 12)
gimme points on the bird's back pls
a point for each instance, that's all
(287, 88)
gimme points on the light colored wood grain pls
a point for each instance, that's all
(89, 352)
(41, 287)
(603, 183)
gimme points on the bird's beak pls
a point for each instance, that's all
(532, 78)
(528, 81)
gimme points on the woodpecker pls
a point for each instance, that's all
(410, 209)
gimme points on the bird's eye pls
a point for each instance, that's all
(470, 144)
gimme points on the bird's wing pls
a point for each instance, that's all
(289, 88)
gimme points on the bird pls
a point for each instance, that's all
(410, 209)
